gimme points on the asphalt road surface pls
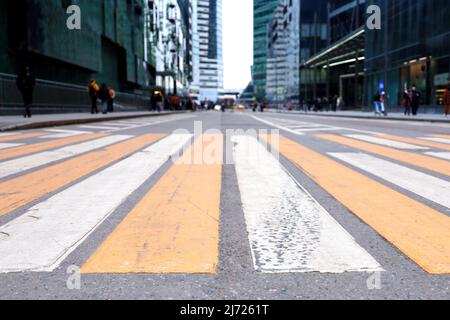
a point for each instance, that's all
(226, 206)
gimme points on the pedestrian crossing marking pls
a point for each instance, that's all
(424, 185)
(4, 146)
(22, 190)
(430, 144)
(442, 155)
(443, 136)
(288, 230)
(48, 232)
(281, 127)
(61, 133)
(175, 227)
(386, 142)
(19, 165)
(417, 230)
(43, 146)
(439, 140)
(413, 159)
(21, 136)
(104, 128)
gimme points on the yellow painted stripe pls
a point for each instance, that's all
(420, 232)
(22, 136)
(20, 191)
(425, 143)
(43, 146)
(174, 228)
(414, 159)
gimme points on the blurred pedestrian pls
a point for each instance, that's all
(25, 83)
(447, 101)
(93, 89)
(383, 103)
(406, 102)
(175, 102)
(415, 100)
(189, 105)
(112, 97)
(103, 95)
(377, 103)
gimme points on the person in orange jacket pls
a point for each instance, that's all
(93, 89)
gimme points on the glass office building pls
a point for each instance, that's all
(209, 26)
(412, 47)
(262, 13)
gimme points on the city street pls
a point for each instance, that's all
(233, 205)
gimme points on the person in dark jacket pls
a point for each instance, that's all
(189, 105)
(415, 100)
(25, 83)
(406, 102)
(104, 96)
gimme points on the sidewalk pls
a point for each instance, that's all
(435, 118)
(11, 123)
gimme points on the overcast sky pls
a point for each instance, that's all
(237, 42)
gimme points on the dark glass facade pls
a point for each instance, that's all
(413, 47)
(262, 14)
(212, 47)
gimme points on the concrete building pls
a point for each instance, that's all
(173, 53)
(209, 26)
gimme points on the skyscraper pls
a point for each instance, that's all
(209, 19)
(262, 13)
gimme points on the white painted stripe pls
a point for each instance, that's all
(46, 234)
(5, 134)
(60, 133)
(277, 126)
(116, 125)
(98, 127)
(319, 129)
(36, 160)
(442, 155)
(386, 142)
(322, 125)
(138, 124)
(440, 140)
(305, 126)
(288, 230)
(133, 123)
(9, 145)
(424, 185)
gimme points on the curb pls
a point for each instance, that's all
(370, 117)
(67, 122)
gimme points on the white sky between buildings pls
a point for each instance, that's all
(237, 42)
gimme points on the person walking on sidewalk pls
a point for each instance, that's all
(103, 95)
(93, 90)
(406, 102)
(25, 83)
(383, 104)
(377, 103)
(112, 97)
(447, 101)
(415, 100)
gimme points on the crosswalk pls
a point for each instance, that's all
(55, 194)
